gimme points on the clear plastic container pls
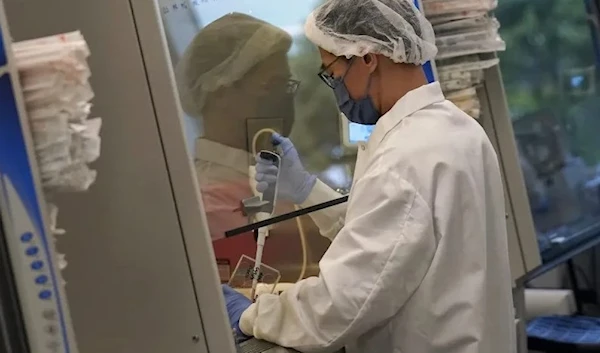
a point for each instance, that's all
(465, 24)
(471, 48)
(470, 37)
(443, 18)
(244, 273)
(464, 63)
(440, 7)
(473, 78)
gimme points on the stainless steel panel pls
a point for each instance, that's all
(513, 174)
(523, 250)
(183, 178)
(129, 283)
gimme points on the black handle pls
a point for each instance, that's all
(269, 194)
(277, 219)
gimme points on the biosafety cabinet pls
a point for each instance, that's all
(186, 101)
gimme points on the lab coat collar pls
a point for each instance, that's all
(412, 102)
(214, 152)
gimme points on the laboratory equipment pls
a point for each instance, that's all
(353, 134)
(56, 91)
(461, 37)
(442, 7)
(287, 216)
(140, 210)
(263, 206)
(33, 308)
(144, 221)
(136, 186)
(269, 197)
(55, 80)
(242, 278)
(467, 38)
(270, 194)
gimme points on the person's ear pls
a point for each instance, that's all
(371, 61)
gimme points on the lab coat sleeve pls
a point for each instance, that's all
(371, 269)
(329, 220)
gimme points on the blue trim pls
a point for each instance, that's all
(428, 66)
(15, 164)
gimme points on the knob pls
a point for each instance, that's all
(41, 279)
(32, 251)
(37, 265)
(45, 294)
(26, 237)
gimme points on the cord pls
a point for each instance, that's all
(301, 232)
(303, 245)
(255, 138)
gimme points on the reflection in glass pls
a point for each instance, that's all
(241, 78)
(550, 75)
(235, 69)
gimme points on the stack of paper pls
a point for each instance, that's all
(54, 76)
(465, 31)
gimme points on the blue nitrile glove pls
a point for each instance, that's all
(295, 183)
(236, 304)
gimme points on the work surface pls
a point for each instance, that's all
(257, 346)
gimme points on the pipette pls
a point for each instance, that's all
(260, 244)
(269, 196)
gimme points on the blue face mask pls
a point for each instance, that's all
(361, 111)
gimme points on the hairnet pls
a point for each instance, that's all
(393, 28)
(222, 53)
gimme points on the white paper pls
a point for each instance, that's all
(55, 79)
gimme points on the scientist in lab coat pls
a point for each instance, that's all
(419, 260)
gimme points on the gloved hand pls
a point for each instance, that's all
(295, 183)
(236, 304)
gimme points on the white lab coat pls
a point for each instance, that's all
(421, 262)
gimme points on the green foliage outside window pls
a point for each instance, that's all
(548, 43)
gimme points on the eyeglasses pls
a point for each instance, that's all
(287, 85)
(327, 77)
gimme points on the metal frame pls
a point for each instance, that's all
(592, 8)
(193, 222)
(523, 247)
(522, 240)
(22, 209)
(147, 192)
(521, 324)
(13, 336)
(137, 245)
